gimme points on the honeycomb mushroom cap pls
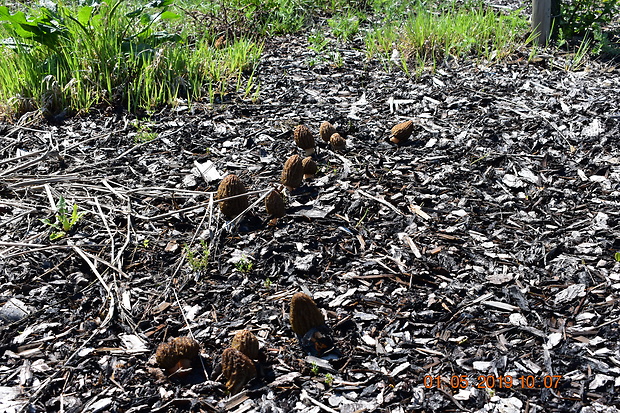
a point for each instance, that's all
(230, 186)
(246, 342)
(237, 368)
(293, 172)
(304, 139)
(337, 142)
(304, 314)
(310, 167)
(402, 131)
(170, 353)
(326, 130)
(274, 204)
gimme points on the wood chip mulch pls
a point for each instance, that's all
(471, 268)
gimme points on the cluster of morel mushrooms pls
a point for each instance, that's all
(231, 192)
(178, 357)
(181, 355)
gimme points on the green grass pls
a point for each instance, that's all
(142, 56)
(428, 37)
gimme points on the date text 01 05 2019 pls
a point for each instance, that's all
(494, 382)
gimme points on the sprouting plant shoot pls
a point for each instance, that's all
(314, 369)
(244, 265)
(329, 379)
(198, 260)
(65, 219)
(617, 256)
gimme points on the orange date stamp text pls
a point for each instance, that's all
(483, 381)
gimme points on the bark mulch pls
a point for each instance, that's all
(471, 268)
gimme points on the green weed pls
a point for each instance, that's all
(244, 265)
(65, 219)
(198, 260)
(329, 379)
(317, 41)
(345, 26)
(144, 132)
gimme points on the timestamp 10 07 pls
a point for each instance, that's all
(494, 382)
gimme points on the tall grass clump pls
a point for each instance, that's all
(63, 57)
(427, 37)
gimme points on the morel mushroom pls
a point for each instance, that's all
(310, 167)
(293, 172)
(304, 139)
(337, 142)
(304, 315)
(274, 204)
(326, 130)
(231, 186)
(402, 132)
(176, 355)
(246, 342)
(237, 368)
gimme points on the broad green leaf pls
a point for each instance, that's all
(147, 18)
(84, 14)
(169, 15)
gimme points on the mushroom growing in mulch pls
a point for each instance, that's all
(177, 355)
(310, 167)
(274, 204)
(308, 323)
(237, 368)
(246, 342)
(304, 314)
(304, 139)
(402, 132)
(326, 130)
(293, 172)
(231, 186)
(337, 142)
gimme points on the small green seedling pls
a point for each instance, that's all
(145, 242)
(66, 218)
(267, 283)
(198, 260)
(244, 265)
(329, 379)
(144, 133)
(617, 256)
(314, 369)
